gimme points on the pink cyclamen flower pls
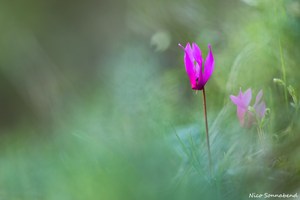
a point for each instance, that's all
(242, 101)
(193, 65)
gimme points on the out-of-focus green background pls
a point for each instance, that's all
(95, 102)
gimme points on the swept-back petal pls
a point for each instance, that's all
(189, 67)
(236, 101)
(247, 96)
(240, 95)
(209, 65)
(189, 51)
(258, 96)
(198, 57)
(197, 54)
(260, 109)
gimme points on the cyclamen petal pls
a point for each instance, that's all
(260, 109)
(189, 67)
(258, 96)
(259, 106)
(209, 65)
(247, 97)
(236, 101)
(197, 54)
(189, 51)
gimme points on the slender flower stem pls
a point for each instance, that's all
(206, 126)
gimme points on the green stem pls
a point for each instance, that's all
(283, 73)
(206, 128)
(260, 136)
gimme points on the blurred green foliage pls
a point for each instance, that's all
(95, 102)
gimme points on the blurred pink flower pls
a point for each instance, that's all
(193, 65)
(242, 101)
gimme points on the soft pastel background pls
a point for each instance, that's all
(95, 102)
